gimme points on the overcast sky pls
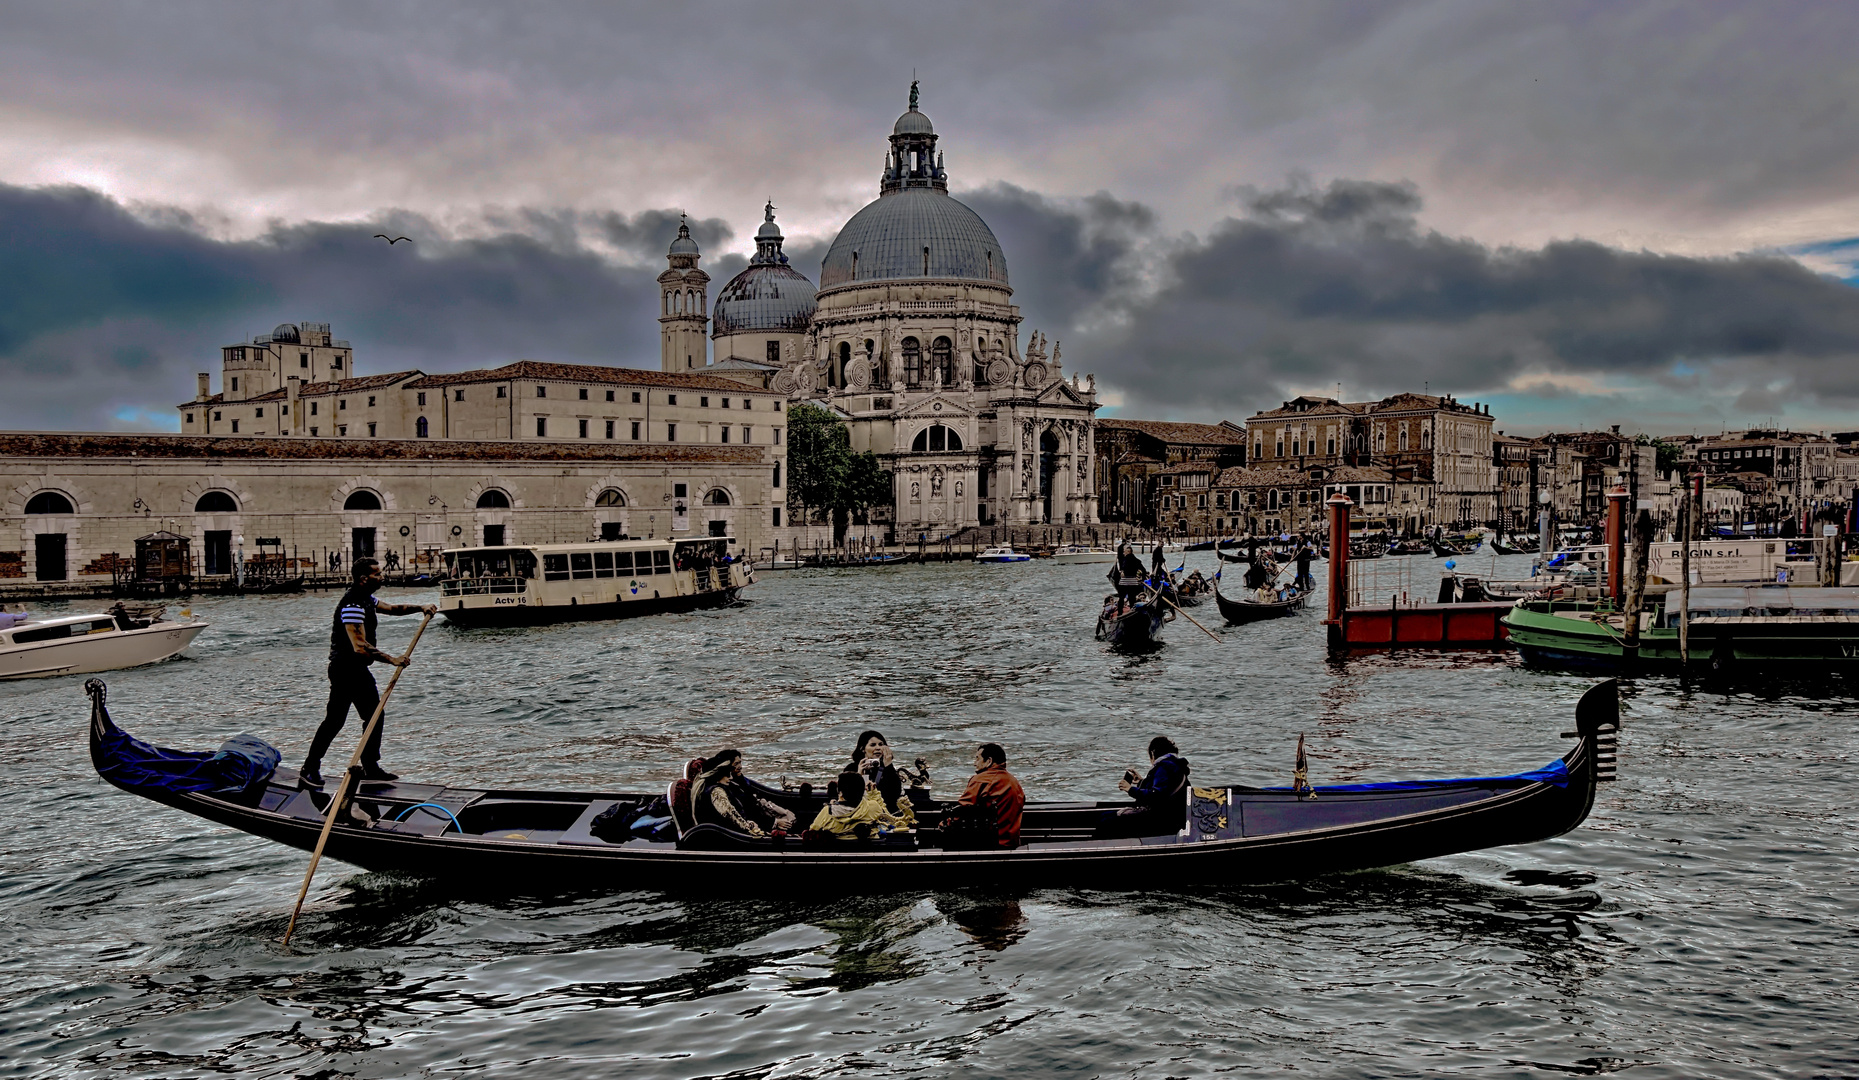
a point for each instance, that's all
(1585, 214)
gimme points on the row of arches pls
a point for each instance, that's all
(938, 364)
(223, 502)
(683, 301)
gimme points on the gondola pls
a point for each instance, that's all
(1443, 550)
(1246, 611)
(1140, 625)
(1499, 547)
(1224, 557)
(546, 839)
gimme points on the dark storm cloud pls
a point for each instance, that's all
(1316, 285)
(106, 316)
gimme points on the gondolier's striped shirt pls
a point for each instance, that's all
(356, 608)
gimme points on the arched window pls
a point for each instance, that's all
(49, 502)
(845, 360)
(216, 502)
(981, 364)
(493, 499)
(610, 497)
(1426, 438)
(913, 362)
(716, 497)
(942, 359)
(935, 439)
(362, 499)
(1403, 436)
(419, 428)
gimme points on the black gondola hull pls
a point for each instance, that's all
(1233, 834)
(1240, 612)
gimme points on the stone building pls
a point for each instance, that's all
(1440, 445)
(913, 339)
(77, 500)
(1132, 456)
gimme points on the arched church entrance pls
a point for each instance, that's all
(1048, 466)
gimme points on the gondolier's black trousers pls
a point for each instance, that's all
(349, 685)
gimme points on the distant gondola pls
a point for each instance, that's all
(1140, 624)
(1501, 548)
(1245, 611)
(1443, 550)
(547, 839)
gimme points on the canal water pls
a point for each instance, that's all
(1702, 922)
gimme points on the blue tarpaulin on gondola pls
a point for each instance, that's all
(242, 762)
(1556, 772)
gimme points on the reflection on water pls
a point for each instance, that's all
(1660, 937)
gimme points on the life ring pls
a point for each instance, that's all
(405, 531)
(457, 530)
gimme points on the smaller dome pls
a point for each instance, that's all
(286, 332)
(683, 245)
(913, 123)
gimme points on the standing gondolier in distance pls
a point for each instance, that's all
(351, 650)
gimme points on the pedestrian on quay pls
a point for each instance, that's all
(351, 649)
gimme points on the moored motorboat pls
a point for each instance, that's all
(548, 839)
(1002, 555)
(80, 644)
(1244, 611)
(1753, 628)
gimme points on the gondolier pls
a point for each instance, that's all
(351, 649)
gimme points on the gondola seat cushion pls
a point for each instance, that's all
(678, 796)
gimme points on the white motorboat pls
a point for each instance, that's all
(1080, 553)
(78, 644)
(1001, 555)
(1147, 547)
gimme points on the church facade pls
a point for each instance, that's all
(912, 338)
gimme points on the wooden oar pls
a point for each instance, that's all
(1159, 595)
(348, 774)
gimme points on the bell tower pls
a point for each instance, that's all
(683, 304)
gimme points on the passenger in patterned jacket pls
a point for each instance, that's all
(720, 797)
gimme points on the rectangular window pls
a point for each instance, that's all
(622, 560)
(746, 436)
(190, 418)
(635, 431)
(726, 403)
(542, 391)
(609, 429)
(777, 517)
(422, 397)
(542, 426)
(500, 390)
(661, 562)
(671, 433)
(235, 382)
(777, 482)
(303, 360)
(777, 436)
(584, 393)
(583, 428)
(555, 568)
(371, 401)
(342, 429)
(313, 407)
(703, 402)
(336, 363)
(259, 413)
(582, 564)
(235, 427)
(635, 397)
(609, 395)
(603, 564)
(725, 432)
(313, 432)
(774, 353)
(216, 414)
(371, 430)
(671, 399)
(342, 403)
(680, 491)
(458, 395)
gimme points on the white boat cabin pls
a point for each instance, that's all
(596, 573)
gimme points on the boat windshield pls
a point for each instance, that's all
(491, 570)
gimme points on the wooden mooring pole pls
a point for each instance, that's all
(1339, 572)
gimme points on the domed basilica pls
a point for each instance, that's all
(913, 339)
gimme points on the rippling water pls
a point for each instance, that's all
(1701, 923)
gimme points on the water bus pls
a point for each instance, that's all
(600, 579)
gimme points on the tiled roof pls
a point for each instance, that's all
(1176, 433)
(61, 444)
(538, 371)
(1244, 477)
(1186, 467)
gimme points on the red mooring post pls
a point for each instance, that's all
(1616, 542)
(1339, 569)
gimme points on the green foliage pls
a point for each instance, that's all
(823, 472)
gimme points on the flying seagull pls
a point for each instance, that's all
(395, 240)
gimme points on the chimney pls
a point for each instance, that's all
(201, 393)
(291, 385)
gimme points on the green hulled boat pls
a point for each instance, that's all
(1765, 626)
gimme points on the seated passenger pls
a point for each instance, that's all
(719, 797)
(988, 814)
(871, 758)
(857, 810)
(1161, 803)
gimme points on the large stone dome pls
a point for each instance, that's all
(765, 297)
(889, 237)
